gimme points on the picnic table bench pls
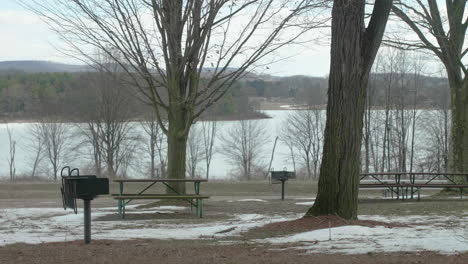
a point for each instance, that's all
(400, 186)
(195, 199)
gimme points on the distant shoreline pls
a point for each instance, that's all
(235, 117)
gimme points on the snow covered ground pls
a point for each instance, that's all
(38, 225)
(445, 234)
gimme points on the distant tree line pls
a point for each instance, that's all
(312, 91)
(31, 96)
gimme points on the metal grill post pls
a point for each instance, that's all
(282, 189)
(87, 221)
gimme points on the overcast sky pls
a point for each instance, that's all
(26, 37)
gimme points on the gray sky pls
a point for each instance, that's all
(26, 37)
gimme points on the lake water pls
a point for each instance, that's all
(221, 168)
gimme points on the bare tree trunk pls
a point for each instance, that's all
(353, 51)
(12, 155)
(209, 136)
(177, 137)
(459, 131)
(446, 140)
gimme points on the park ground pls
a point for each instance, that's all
(244, 222)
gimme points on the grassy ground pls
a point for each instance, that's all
(48, 194)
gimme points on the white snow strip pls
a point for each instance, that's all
(306, 203)
(251, 200)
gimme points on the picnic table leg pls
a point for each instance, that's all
(419, 196)
(122, 202)
(200, 205)
(196, 185)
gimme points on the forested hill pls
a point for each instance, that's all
(40, 66)
(31, 89)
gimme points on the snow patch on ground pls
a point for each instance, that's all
(252, 200)
(444, 234)
(34, 225)
(306, 203)
(247, 200)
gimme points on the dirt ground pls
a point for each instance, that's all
(239, 249)
(154, 251)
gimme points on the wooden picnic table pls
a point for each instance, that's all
(427, 182)
(195, 199)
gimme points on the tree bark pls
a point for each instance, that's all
(459, 133)
(177, 136)
(353, 51)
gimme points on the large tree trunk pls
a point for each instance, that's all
(353, 51)
(459, 133)
(177, 136)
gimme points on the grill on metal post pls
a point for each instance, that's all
(282, 176)
(85, 187)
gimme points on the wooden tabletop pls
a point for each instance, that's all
(161, 180)
(414, 173)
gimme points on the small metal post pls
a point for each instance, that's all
(87, 221)
(282, 189)
(201, 208)
(121, 201)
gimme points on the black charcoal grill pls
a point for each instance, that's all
(85, 187)
(282, 176)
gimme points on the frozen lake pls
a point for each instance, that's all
(221, 168)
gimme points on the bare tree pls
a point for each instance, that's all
(209, 129)
(399, 73)
(12, 154)
(418, 67)
(436, 125)
(116, 134)
(35, 146)
(90, 130)
(155, 146)
(353, 50)
(242, 145)
(195, 150)
(303, 130)
(166, 48)
(55, 136)
(108, 136)
(442, 31)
